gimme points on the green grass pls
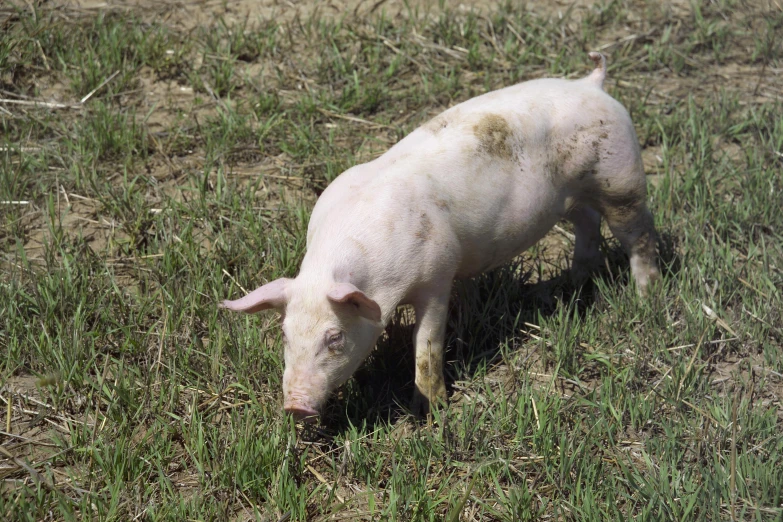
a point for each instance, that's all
(189, 174)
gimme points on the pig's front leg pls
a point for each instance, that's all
(431, 314)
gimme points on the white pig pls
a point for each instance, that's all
(464, 193)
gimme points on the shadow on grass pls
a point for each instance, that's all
(486, 313)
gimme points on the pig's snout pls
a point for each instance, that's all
(300, 408)
(302, 413)
(302, 390)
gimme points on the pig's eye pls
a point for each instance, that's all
(335, 341)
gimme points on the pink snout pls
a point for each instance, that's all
(301, 412)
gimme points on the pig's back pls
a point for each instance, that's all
(504, 167)
(482, 181)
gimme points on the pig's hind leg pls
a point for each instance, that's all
(587, 255)
(623, 206)
(634, 228)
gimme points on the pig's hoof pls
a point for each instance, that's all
(646, 281)
(583, 270)
(580, 275)
(421, 405)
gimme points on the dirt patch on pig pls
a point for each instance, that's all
(493, 133)
(438, 123)
(424, 233)
(442, 204)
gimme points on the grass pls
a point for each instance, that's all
(188, 174)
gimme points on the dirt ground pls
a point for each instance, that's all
(760, 83)
(162, 99)
(189, 14)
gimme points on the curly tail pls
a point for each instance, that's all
(599, 73)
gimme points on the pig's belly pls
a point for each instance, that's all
(505, 231)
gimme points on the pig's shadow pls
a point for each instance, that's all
(485, 313)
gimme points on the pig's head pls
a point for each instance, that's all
(328, 330)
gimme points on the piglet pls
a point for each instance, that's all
(462, 194)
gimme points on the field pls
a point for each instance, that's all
(158, 157)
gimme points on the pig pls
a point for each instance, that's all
(464, 193)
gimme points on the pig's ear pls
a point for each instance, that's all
(348, 293)
(271, 295)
